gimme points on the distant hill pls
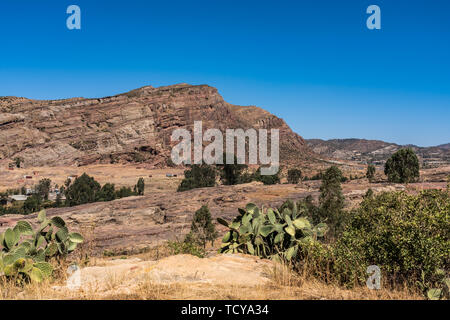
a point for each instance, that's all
(376, 151)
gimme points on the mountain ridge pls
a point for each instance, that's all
(134, 126)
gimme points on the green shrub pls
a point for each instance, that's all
(407, 236)
(183, 247)
(140, 187)
(370, 174)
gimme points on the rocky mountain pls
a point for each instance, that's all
(134, 126)
(376, 152)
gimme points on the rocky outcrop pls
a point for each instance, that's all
(134, 126)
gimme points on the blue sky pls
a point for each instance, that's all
(313, 63)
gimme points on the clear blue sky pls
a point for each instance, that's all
(313, 63)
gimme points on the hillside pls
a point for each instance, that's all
(132, 127)
(376, 152)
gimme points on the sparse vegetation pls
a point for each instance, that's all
(198, 176)
(370, 174)
(294, 176)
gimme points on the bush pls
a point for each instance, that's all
(370, 174)
(140, 187)
(294, 176)
(124, 192)
(407, 236)
(199, 176)
(267, 179)
(183, 247)
(402, 167)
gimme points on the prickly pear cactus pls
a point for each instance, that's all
(25, 252)
(270, 233)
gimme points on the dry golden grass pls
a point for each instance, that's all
(285, 284)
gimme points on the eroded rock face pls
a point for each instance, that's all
(135, 126)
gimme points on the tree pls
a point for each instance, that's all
(267, 179)
(294, 176)
(43, 188)
(370, 174)
(18, 161)
(83, 190)
(58, 201)
(199, 176)
(108, 192)
(32, 204)
(231, 173)
(202, 228)
(140, 187)
(402, 167)
(331, 200)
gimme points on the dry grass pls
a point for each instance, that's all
(285, 284)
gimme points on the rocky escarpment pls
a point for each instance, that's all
(134, 126)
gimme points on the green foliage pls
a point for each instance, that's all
(107, 192)
(369, 194)
(231, 173)
(186, 247)
(83, 190)
(441, 285)
(32, 204)
(25, 252)
(331, 200)
(370, 174)
(402, 167)
(271, 233)
(199, 176)
(407, 236)
(202, 228)
(43, 188)
(267, 179)
(140, 187)
(18, 161)
(294, 176)
(124, 192)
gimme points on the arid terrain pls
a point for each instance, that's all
(123, 138)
